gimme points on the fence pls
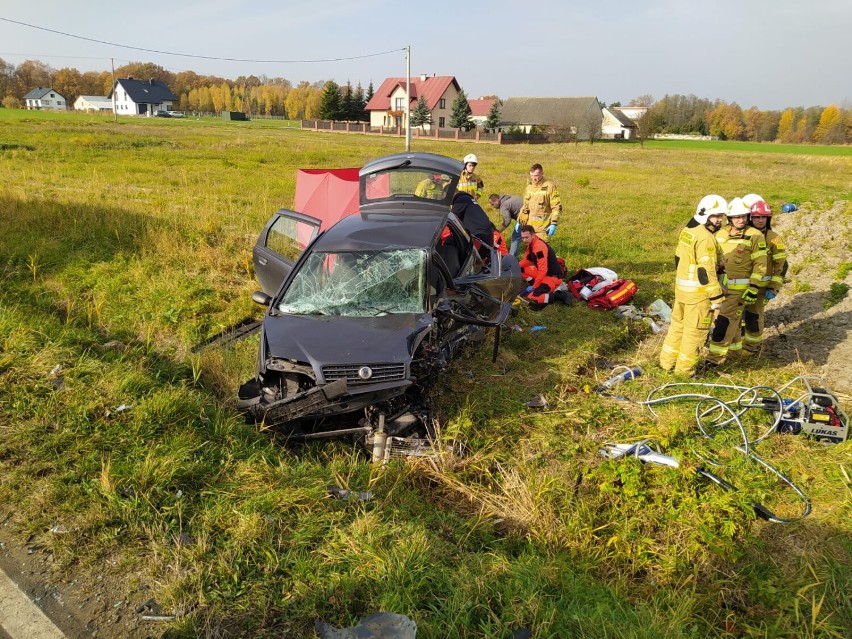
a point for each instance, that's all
(434, 133)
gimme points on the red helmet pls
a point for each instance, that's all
(760, 209)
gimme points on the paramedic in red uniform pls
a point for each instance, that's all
(541, 270)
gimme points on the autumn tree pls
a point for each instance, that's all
(145, 71)
(492, 120)
(460, 113)
(31, 74)
(785, 125)
(726, 121)
(312, 102)
(421, 115)
(68, 83)
(7, 78)
(830, 129)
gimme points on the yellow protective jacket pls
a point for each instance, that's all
(470, 183)
(429, 190)
(776, 262)
(744, 255)
(697, 257)
(542, 206)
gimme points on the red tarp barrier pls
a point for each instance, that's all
(327, 194)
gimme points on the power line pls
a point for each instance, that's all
(202, 57)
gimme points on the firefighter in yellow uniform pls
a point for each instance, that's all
(697, 289)
(431, 188)
(744, 255)
(469, 181)
(542, 205)
(776, 268)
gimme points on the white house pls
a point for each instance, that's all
(635, 113)
(96, 103)
(387, 106)
(479, 110)
(42, 98)
(141, 97)
(617, 126)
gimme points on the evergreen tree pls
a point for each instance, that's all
(370, 91)
(492, 122)
(460, 113)
(347, 109)
(329, 107)
(359, 103)
(421, 114)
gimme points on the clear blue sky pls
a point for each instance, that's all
(765, 53)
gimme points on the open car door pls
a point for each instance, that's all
(281, 243)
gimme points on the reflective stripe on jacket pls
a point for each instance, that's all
(744, 254)
(697, 256)
(542, 205)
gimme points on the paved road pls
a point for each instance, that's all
(20, 618)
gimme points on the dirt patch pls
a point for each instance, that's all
(82, 604)
(804, 324)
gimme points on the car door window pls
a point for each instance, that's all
(288, 237)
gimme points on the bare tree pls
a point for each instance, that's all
(644, 127)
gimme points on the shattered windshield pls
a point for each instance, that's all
(358, 284)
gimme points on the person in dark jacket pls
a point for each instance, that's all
(474, 220)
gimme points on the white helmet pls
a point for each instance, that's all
(751, 199)
(710, 205)
(737, 207)
(470, 157)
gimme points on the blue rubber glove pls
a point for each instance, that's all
(528, 290)
(517, 227)
(551, 230)
(769, 295)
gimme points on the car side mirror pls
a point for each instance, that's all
(259, 297)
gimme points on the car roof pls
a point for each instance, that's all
(377, 232)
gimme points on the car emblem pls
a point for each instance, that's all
(365, 372)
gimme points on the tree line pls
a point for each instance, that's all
(204, 93)
(691, 115)
(261, 95)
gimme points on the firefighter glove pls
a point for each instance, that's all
(551, 230)
(769, 294)
(750, 295)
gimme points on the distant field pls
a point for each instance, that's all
(753, 147)
(122, 245)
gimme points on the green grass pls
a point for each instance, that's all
(124, 244)
(753, 147)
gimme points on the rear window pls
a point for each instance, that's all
(414, 182)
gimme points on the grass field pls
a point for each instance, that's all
(124, 244)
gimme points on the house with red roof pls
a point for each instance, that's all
(479, 110)
(387, 106)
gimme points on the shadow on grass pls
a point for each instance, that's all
(40, 236)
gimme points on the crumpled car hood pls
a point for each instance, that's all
(344, 340)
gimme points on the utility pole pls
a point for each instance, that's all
(408, 98)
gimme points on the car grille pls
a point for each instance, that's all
(381, 373)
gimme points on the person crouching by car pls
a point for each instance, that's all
(542, 272)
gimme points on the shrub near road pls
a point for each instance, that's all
(124, 244)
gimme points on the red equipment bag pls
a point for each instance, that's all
(583, 279)
(616, 294)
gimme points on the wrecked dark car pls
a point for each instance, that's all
(372, 309)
